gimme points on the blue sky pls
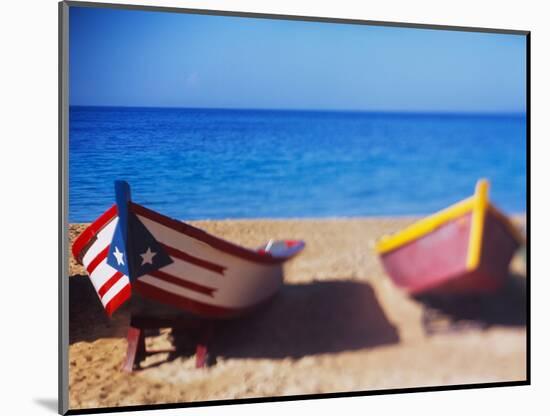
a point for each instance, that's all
(143, 58)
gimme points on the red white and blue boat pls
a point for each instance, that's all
(133, 248)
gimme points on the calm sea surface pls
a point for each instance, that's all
(199, 164)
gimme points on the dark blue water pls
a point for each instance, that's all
(198, 164)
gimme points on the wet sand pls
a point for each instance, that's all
(337, 325)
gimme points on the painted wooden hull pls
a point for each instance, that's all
(463, 250)
(208, 276)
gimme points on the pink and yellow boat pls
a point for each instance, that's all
(464, 249)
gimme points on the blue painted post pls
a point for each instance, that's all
(122, 198)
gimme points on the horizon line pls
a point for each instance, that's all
(319, 110)
(514, 214)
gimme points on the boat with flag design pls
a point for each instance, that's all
(133, 248)
(464, 249)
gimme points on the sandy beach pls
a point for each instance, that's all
(338, 324)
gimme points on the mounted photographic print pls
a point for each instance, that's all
(266, 207)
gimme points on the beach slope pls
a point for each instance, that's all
(338, 325)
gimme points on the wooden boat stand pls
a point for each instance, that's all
(201, 330)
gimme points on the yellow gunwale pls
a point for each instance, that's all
(424, 226)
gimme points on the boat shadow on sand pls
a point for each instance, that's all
(506, 307)
(302, 319)
(310, 318)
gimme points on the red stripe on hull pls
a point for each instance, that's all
(206, 238)
(118, 300)
(89, 233)
(183, 283)
(98, 259)
(193, 306)
(109, 284)
(205, 264)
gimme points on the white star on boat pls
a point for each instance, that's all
(119, 256)
(147, 256)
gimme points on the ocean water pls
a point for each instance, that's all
(214, 164)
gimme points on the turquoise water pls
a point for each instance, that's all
(202, 163)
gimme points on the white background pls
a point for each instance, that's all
(28, 204)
